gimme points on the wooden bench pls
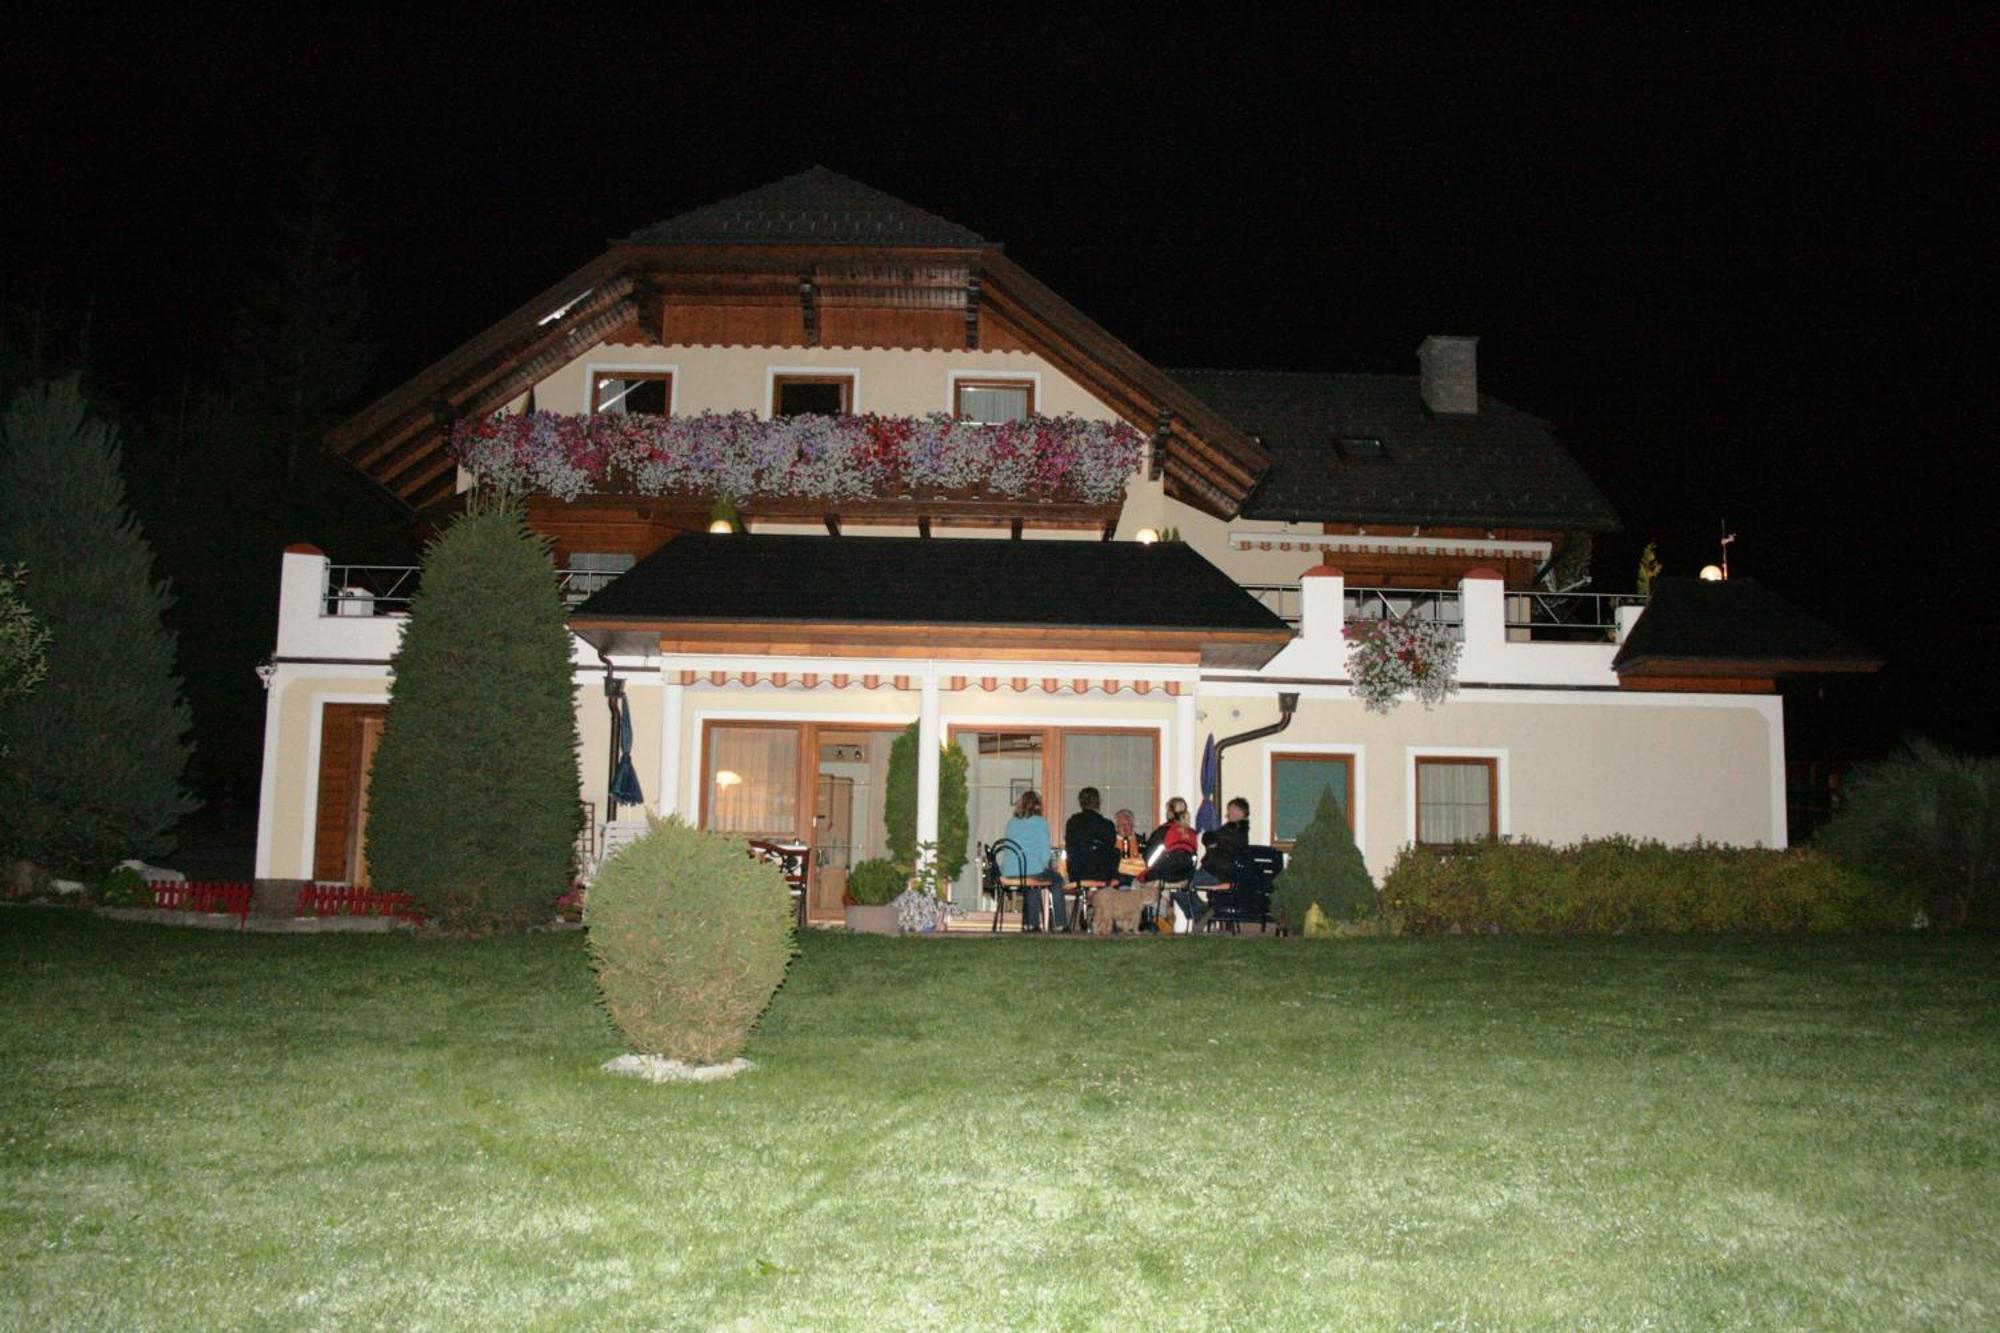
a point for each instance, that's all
(204, 896)
(351, 900)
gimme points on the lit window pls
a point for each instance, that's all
(632, 391)
(812, 395)
(992, 402)
(1457, 800)
(1297, 780)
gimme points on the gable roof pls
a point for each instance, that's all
(1497, 467)
(1733, 627)
(1156, 593)
(816, 206)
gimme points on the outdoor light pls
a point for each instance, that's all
(1145, 536)
(1712, 574)
(728, 777)
(721, 525)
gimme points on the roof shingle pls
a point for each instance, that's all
(814, 207)
(1740, 620)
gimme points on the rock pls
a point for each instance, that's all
(154, 874)
(65, 888)
(659, 1069)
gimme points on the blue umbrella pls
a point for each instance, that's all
(625, 781)
(1208, 818)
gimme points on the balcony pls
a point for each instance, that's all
(1531, 617)
(386, 590)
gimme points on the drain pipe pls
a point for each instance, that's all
(1288, 704)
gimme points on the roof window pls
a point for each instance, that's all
(1361, 448)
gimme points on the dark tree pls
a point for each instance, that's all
(473, 798)
(100, 746)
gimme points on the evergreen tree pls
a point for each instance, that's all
(899, 805)
(473, 801)
(1326, 868)
(99, 748)
(24, 642)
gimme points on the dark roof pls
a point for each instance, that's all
(1498, 467)
(1690, 622)
(944, 581)
(815, 207)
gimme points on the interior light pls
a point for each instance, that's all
(721, 525)
(728, 777)
(1711, 573)
(1145, 536)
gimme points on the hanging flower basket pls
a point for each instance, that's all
(1387, 659)
(808, 457)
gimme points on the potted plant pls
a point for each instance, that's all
(871, 886)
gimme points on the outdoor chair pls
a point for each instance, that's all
(790, 858)
(1248, 897)
(996, 858)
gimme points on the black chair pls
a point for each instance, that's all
(998, 884)
(1248, 898)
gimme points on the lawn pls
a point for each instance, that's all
(219, 1130)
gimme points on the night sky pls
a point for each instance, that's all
(1736, 262)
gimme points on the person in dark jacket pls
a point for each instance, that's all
(1224, 846)
(1091, 841)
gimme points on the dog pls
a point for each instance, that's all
(1117, 907)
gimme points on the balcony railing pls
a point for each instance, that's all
(1568, 617)
(1539, 617)
(385, 590)
(1441, 605)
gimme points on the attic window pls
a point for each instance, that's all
(1361, 447)
(651, 392)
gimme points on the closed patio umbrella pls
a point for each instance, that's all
(1208, 819)
(625, 788)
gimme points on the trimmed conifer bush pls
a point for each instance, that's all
(1927, 817)
(1326, 868)
(899, 806)
(473, 804)
(690, 937)
(875, 882)
(97, 750)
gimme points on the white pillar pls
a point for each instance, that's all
(672, 699)
(930, 735)
(1186, 778)
(267, 790)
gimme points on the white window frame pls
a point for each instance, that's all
(592, 369)
(773, 373)
(1031, 378)
(1354, 752)
(1503, 820)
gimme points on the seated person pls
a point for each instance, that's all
(1170, 852)
(1030, 832)
(1225, 845)
(1131, 847)
(1091, 841)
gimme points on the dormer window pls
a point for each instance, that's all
(992, 402)
(651, 392)
(1361, 448)
(812, 395)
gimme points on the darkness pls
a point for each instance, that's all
(1741, 264)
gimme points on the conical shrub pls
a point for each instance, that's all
(1325, 868)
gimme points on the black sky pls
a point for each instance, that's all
(1742, 264)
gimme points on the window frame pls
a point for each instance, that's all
(1490, 762)
(960, 383)
(592, 390)
(849, 382)
(1272, 757)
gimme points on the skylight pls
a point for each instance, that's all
(1360, 447)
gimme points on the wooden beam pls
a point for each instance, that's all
(1015, 530)
(924, 525)
(832, 525)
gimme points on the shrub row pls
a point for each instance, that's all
(1615, 885)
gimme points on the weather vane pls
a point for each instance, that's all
(1720, 573)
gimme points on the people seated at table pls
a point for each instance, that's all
(1224, 845)
(1091, 841)
(1042, 902)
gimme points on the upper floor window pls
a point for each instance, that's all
(632, 391)
(812, 395)
(991, 402)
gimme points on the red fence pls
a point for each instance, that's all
(199, 896)
(347, 900)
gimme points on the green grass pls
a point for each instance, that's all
(215, 1130)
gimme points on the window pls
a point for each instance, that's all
(1361, 447)
(1296, 783)
(753, 780)
(1457, 800)
(591, 570)
(991, 402)
(646, 391)
(812, 395)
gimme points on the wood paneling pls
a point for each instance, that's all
(859, 326)
(343, 786)
(634, 527)
(736, 325)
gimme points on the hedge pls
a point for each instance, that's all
(1616, 885)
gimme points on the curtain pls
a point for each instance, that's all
(753, 781)
(1124, 768)
(1452, 802)
(992, 404)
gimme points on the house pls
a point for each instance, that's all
(817, 464)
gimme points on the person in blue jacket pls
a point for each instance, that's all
(1043, 908)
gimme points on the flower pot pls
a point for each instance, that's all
(873, 920)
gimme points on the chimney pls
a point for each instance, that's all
(1448, 374)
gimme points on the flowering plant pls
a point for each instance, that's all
(917, 912)
(1389, 658)
(825, 458)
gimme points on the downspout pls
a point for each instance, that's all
(1288, 704)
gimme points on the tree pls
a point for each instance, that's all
(899, 806)
(1326, 868)
(473, 796)
(1927, 818)
(24, 642)
(99, 749)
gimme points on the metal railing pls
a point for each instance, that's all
(385, 590)
(1281, 599)
(1546, 617)
(1442, 606)
(1571, 617)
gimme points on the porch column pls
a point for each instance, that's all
(930, 734)
(671, 702)
(1186, 778)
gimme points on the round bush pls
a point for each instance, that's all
(690, 938)
(875, 882)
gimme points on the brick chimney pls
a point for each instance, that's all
(1448, 374)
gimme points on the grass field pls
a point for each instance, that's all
(211, 1130)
